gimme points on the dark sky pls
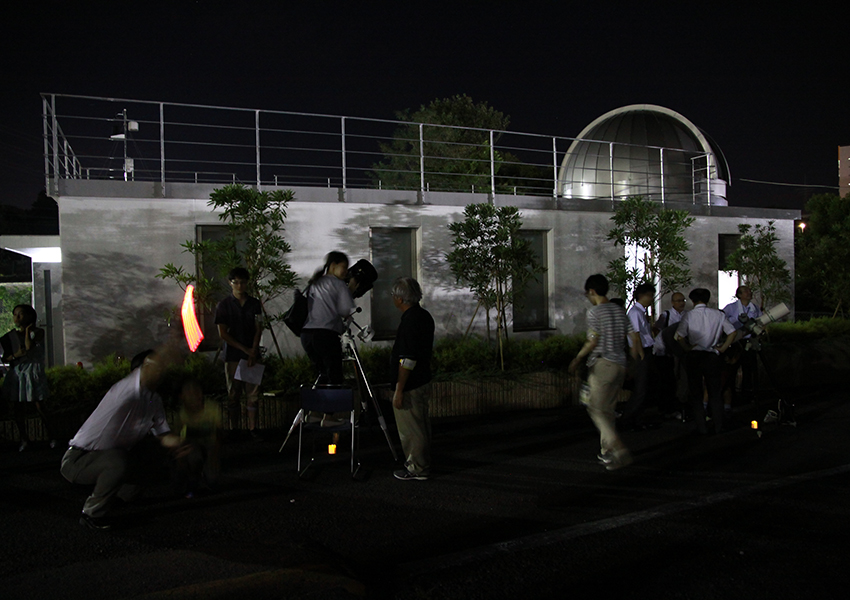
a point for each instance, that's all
(770, 86)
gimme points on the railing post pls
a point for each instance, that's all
(421, 162)
(663, 198)
(708, 178)
(46, 146)
(344, 177)
(492, 169)
(162, 147)
(611, 169)
(55, 142)
(257, 136)
(555, 166)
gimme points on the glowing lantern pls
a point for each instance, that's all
(190, 322)
(754, 424)
(331, 448)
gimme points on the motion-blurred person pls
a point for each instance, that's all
(607, 331)
(644, 296)
(239, 320)
(114, 449)
(329, 301)
(414, 343)
(199, 426)
(700, 332)
(743, 306)
(25, 383)
(666, 354)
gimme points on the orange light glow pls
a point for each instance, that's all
(754, 424)
(331, 448)
(190, 322)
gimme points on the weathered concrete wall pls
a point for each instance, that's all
(113, 247)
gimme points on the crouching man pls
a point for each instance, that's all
(113, 450)
(411, 356)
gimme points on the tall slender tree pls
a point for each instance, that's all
(656, 237)
(759, 265)
(493, 260)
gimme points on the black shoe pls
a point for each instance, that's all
(94, 522)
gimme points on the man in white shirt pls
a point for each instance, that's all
(113, 447)
(734, 311)
(644, 297)
(668, 368)
(700, 332)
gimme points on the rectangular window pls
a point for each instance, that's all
(206, 318)
(727, 243)
(727, 283)
(531, 308)
(394, 255)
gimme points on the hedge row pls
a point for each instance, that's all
(454, 358)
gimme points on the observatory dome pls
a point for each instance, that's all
(646, 150)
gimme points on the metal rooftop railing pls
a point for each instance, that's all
(89, 137)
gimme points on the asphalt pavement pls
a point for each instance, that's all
(517, 506)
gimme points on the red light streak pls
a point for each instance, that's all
(190, 322)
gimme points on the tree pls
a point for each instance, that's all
(493, 260)
(456, 146)
(656, 236)
(823, 254)
(255, 224)
(758, 264)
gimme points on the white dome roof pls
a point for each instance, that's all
(649, 144)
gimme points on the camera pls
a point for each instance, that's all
(364, 276)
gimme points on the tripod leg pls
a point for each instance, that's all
(784, 408)
(381, 421)
(298, 418)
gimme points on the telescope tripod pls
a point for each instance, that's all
(785, 413)
(349, 346)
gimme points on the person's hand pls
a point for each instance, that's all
(398, 399)
(170, 441)
(252, 356)
(183, 450)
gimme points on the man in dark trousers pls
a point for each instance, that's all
(414, 343)
(239, 320)
(114, 449)
(644, 296)
(700, 332)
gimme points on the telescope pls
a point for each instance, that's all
(364, 274)
(756, 327)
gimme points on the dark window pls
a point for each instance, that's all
(206, 318)
(727, 243)
(531, 308)
(393, 256)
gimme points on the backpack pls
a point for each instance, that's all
(296, 316)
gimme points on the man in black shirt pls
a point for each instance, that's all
(411, 355)
(239, 320)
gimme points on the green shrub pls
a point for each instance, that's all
(287, 375)
(462, 356)
(377, 363)
(818, 328)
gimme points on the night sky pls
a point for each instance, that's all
(770, 86)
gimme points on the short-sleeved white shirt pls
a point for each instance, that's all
(703, 326)
(127, 413)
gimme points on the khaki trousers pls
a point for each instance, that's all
(414, 429)
(605, 381)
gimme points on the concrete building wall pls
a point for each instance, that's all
(113, 246)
